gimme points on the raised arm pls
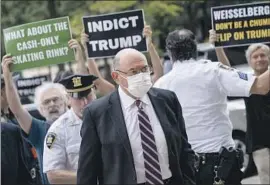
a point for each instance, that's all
(103, 86)
(22, 115)
(156, 61)
(79, 56)
(221, 55)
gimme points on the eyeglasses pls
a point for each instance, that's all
(131, 72)
(55, 100)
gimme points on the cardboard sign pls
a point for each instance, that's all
(26, 86)
(242, 24)
(38, 44)
(111, 33)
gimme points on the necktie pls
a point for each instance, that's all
(150, 154)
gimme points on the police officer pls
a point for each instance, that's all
(202, 88)
(62, 143)
(18, 158)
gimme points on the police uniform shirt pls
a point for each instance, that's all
(202, 88)
(62, 143)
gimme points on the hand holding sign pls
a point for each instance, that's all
(74, 44)
(6, 62)
(147, 32)
(212, 36)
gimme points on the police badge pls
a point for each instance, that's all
(50, 139)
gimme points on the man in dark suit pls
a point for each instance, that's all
(136, 135)
(18, 158)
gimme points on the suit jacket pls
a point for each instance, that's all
(106, 154)
(17, 161)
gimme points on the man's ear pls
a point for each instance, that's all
(115, 76)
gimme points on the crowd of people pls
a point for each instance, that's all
(149, 129)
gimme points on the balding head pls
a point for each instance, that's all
(127, 63)
(126, 56)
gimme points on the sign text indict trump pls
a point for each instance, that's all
(110, 33)
(26, 86)
(39, 44)
(242, 24)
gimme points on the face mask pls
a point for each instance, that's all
(139, 84)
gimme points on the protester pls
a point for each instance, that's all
(111, 150)
(258, 114)
(50, 100)
(62, 144)
(19, 164)
(257, 109)
(51, 103)
(202, 88)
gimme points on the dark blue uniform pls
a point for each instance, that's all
(18, 158)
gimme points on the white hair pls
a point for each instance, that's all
(116, 60)
(39, 91)
(254, 47)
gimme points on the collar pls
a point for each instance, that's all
(128, 101)
(178, 63)
(76, 120)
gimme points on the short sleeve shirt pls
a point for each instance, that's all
(62, 144)
(202, 88)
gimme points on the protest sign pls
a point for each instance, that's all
(110, 33)
(242, 24)
(39, 44)
(26, 86)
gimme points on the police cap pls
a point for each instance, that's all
(78, 86)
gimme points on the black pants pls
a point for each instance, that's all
(205, 171)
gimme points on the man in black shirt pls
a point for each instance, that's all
(258, 114)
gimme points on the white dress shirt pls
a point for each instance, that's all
(130, 112)
(64, 151)
(202, 88)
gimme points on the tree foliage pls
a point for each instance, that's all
(163, 16)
